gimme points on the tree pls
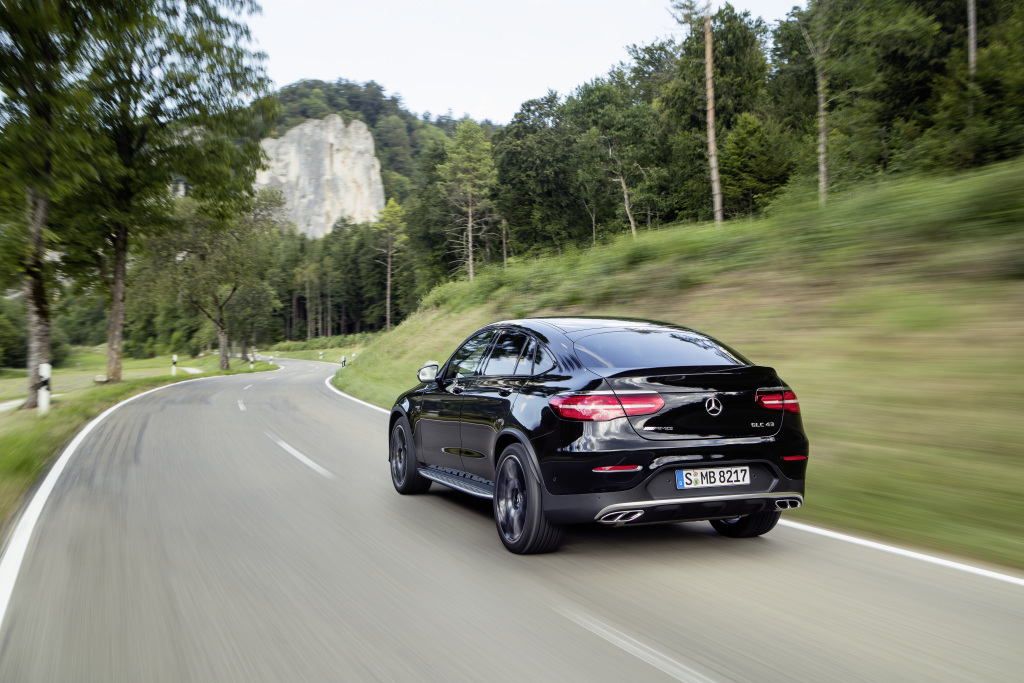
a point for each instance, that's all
(621, 128)
(8, 338)
(980, 116)
(820, 46)
(589, 182)
(177, 91)
(712, 84)
(755, 163)
(972, 50)
(652, 68)
(427, 214)
(208, 263)
(685, 12)
(43, 47)
(467, 177)
(395, 146)
(533, 158)
(390, 230)
(791, 87)
(250, 312)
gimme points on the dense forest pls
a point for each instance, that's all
(630, 146)
(841, 93)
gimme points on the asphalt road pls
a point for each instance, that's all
(245, 528)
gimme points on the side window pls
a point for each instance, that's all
(465, 361)
(545, 360)
(525, 367)
(505, 353)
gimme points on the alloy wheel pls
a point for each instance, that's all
(399, 455)
(511, 500)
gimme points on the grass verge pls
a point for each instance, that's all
(83, 364)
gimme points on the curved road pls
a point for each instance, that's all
(244, 528)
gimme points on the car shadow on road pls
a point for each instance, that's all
(603, 539)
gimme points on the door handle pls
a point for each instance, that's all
(456, 389)
(505, 391)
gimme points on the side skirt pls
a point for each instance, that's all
(460, 481)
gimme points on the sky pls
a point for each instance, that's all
(479, 58)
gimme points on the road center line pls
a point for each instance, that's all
(241, 406)
(634, 647)
(905, 553)
(300, 457)
(247, 387)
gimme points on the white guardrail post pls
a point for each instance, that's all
(45, 372)
(174, 365)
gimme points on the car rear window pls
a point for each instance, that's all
(647, 348)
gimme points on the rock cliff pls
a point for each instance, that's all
(325, 170)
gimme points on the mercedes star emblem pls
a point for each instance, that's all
(713, 406)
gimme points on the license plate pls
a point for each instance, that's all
(715, 476)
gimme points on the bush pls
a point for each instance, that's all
(59, 347)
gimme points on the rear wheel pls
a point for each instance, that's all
(405, 473)
(745, 527)
(518, 512)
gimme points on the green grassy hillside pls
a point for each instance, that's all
(897, 314)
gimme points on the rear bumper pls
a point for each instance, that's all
(594, 507)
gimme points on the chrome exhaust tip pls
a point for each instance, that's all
(788, 504)
(621, 516)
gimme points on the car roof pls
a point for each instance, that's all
(568, 325)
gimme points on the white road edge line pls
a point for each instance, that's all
(300, 457)
(241, 406)
(17, 546)
(634, 647)
(1016, 580)
(874, 545)
(339, 392)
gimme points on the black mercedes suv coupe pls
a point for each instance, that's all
(569, 420)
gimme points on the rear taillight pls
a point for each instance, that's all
(641, 404)
(779, 400)
(600, 407)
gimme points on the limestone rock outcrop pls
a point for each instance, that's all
(325, 170)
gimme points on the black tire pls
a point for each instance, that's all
(405, 473)
(746, 527)
(518, 507)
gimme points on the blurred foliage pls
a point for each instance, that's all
(905, 223)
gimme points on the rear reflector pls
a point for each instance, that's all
(779, 400)
(619, 468)
(599, 407)
(794, 457)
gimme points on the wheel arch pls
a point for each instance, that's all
(396, 414)
(511, 436)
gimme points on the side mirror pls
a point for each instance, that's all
(428, 373)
